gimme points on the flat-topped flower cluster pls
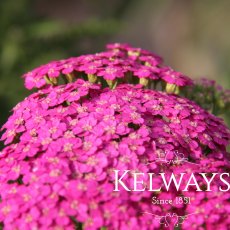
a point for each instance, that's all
(64, 142)
(119, 62)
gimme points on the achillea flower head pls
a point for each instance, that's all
(64, 141)
(211, 96)
(119, 62)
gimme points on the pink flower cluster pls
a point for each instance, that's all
(211, 96)
(119, 62)
(64, 142)
(218, 90)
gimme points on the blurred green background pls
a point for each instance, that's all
(192, 36)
